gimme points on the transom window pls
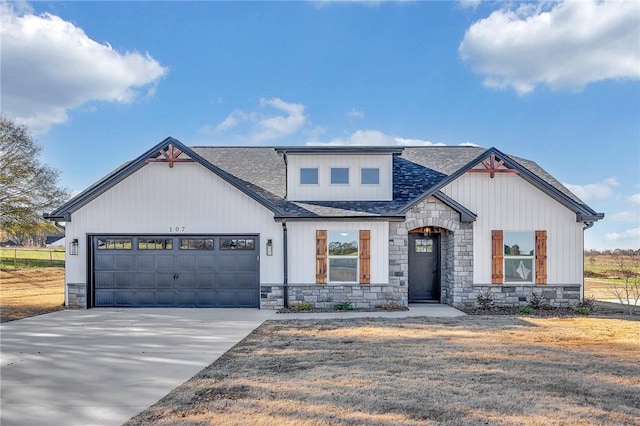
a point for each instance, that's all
(308, 176)
(424, 245)
(196, 243)
(370, 176)
(114, 244)
(339, 175)
(518, 257)
(237, 243)
(155, 244)
(343, 256)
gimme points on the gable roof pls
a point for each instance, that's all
(418, 172)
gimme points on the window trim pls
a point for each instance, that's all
(369, 184)
(355, 256)
(532, 257)
(317, 182)
(348, 182)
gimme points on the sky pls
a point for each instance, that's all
(99, 83)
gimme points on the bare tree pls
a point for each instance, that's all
(28, 188)
(628, 292)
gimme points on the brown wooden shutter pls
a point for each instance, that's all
(321, 256)
(365, 257)
(541, 257)
(497, 257)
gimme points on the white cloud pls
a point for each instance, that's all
(593, 191)
(469, 144)
(50, 66)
(635, 199)
(373, 138)
(564, 45)
(629, 238)
(257, 126)
(354, 113)
(468, 4)
(626, 216)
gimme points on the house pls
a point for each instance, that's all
(54, 241)
(266, 227)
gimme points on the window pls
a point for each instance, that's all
(519, 255)
(196, 243)
(237, 243)
(339, 175)
(424, 245)
(343, 256)
(154, 244)
(114, 244)
(370, 176)
(308, 176)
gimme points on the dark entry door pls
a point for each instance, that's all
(424, 268)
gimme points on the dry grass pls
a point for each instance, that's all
(28, 292)
(599, 289)
(472, 370)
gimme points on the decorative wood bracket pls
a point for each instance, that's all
(169, 156)
(492, 167)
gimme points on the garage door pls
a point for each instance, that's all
(177, 271)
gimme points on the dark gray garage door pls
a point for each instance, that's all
(179, 271)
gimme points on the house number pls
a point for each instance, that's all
(176, 229)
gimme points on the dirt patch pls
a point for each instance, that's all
(504, 370)
(28, 292)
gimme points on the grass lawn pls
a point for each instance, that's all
(503, 370)
(28, 292)
(31, 257)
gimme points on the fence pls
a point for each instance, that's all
(30, 258)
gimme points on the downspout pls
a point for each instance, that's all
(285, 279)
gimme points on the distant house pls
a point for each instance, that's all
(8, 243)
(265, 227)
(55, 241)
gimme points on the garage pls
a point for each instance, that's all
(212, 271)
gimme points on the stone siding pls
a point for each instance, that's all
(76, 295)
(559, 295)
(366, 296)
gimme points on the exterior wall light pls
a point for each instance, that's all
(269, 247)
(73, 247)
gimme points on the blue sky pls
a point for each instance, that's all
(559, 83)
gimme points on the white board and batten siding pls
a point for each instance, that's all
(354, 191)
(510, 203)
(302, 248)
(187, 199)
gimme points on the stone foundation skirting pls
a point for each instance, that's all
(559, 295)
(76, 295)
(326, 296)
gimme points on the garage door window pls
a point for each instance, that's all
(114, 244)
(196, 243)
(154, 244)
(237, 243)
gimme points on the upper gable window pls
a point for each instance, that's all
(370, 176)
(308, 176)
(339, 175)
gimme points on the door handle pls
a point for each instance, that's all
(175, 276)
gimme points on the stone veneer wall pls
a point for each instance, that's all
(559, 295)
(76, 296)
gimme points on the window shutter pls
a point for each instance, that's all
(497, 257)
(321, 256)
(365, 257)
(541, 257)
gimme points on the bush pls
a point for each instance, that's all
(484, 300)
(587, 302)
(302, 306)
(536, 301)
(344, 306)
(526, 309)
(582, 310)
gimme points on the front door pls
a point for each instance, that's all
(424, 268)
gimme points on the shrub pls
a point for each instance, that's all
(344, 306)
(484, 300)
(582, 310)
(587, 302)
(526, 309)
(302, 306)
(537, 301)
(392, 306)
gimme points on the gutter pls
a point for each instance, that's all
(285, 264)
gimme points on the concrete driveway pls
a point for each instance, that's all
(103, 366)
